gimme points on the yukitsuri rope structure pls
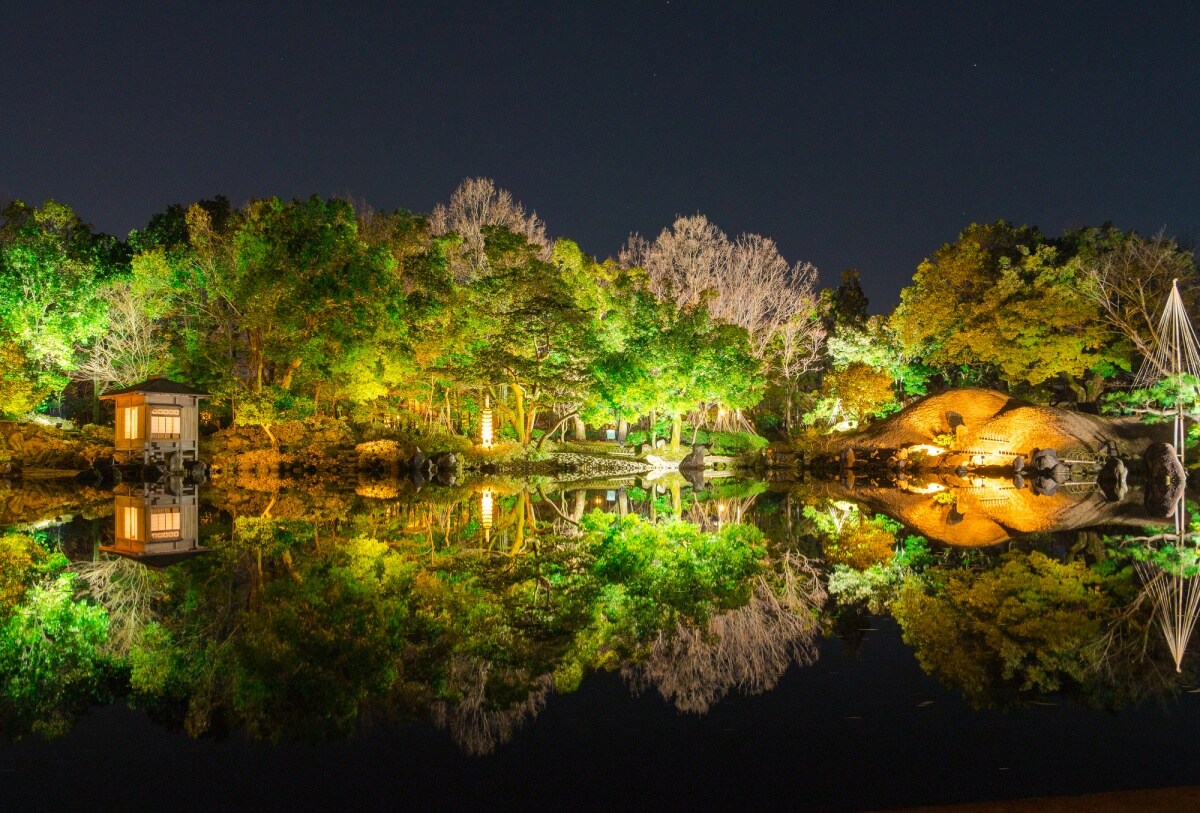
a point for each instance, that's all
(1176, 352)
(1176, 601)
(1176, 596)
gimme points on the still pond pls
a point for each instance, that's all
(826, 645)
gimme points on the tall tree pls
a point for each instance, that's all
(847, 307)
(744, 282)
(528, 331)
(1128, 277)
(1005, 299)
(52, 271)
(476, 205)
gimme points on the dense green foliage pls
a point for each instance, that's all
(317, 306)
(308, 627)
(283, 309)
(53, 663)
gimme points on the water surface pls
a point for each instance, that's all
(496, 641)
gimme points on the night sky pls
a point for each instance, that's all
(854, 134)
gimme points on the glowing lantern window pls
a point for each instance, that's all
(130, 516)
(133, 422)
(164, 422)
(164, 523)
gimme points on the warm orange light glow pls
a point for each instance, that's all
(928, 449)
(485, 426)
(131, 517)
(485, 507)
(132, 422)
(485, 513)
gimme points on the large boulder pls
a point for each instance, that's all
(1165, 479)
(694, 460)
(1112, 479)
(445, 461)
(1044, 460)
(419, 462)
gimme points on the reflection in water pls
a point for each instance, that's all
(313, 611)
(156, 523)
(748, 648)
(1176, 606)
(975, 511)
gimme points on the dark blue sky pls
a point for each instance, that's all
(854, 134)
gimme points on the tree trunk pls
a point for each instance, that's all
(1077, 389)
(676, 431)
(519, 535)
(519, 414)
(532, 419)
(293, 366)
(580, 429)
(95, 401)
(622, 430)
(561, 423)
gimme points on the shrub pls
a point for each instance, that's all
(380, 451)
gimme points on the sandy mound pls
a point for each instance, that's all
(990, 428)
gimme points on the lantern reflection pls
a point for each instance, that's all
(485, 513)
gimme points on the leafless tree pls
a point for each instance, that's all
(130, 349)
(747, 281)
(476, 204)
(1130, 282)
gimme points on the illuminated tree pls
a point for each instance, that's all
(130, 349)
(1001, 298)
(19, 391)
(744, 282)
(748, 648)
(475, 206)
(527, 330)
(52, 662)
(52, 269)
(874, 344)
(697, 363)
(861, 391)
(1027, 624)
(1128, 277)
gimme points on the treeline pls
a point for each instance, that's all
(286, 309)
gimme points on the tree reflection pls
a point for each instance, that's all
(748, 648)
(316, 613)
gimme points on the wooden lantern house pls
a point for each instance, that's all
(155, 525)
(158, 421)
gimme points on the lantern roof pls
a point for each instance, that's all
(158, 384)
